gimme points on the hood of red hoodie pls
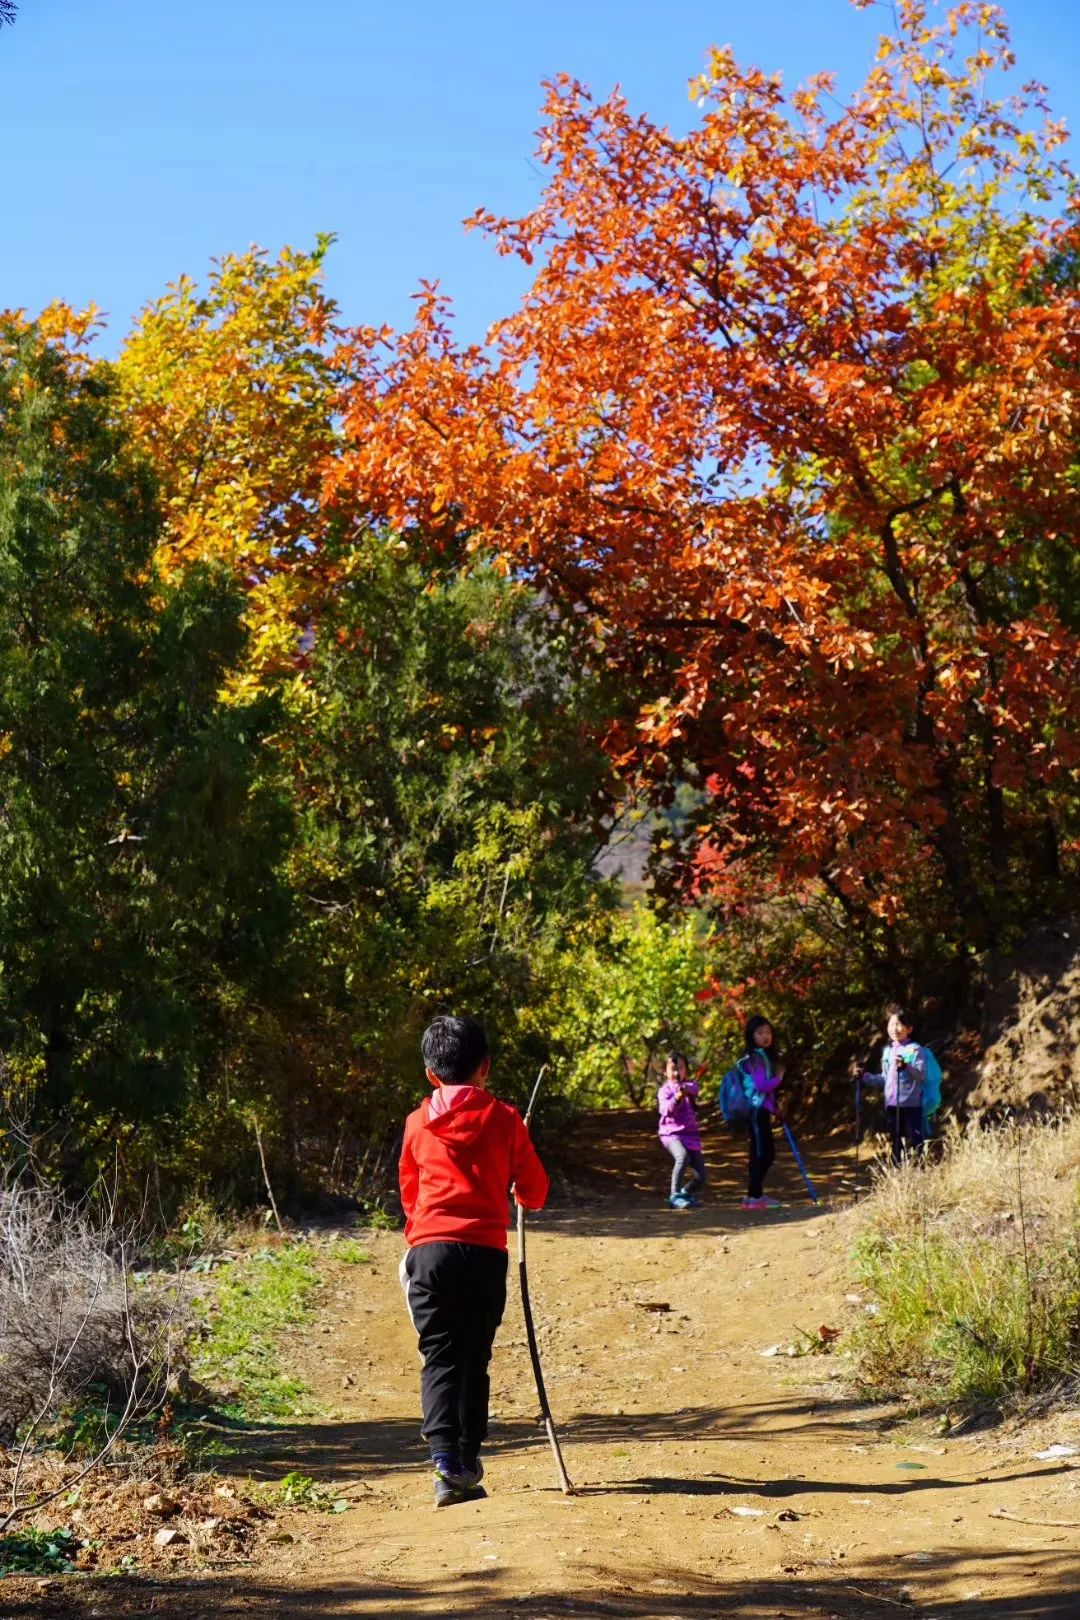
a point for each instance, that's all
(458, 1113)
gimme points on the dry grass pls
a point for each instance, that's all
(71, 1319)
(86, 1351)
(974, 1261)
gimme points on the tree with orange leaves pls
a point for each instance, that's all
(788, 411)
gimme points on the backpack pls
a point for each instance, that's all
(733, 1101)
(931, 1097)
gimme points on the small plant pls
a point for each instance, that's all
(300, 1490)
(38, 1552)
(190, 1234)
(81, 1431)
(75, 1329)
(820, 1343)
(187, 1244)
(351, 1254)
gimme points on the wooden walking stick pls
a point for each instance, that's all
(530, 1331)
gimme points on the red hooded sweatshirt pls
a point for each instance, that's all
(462, 1149)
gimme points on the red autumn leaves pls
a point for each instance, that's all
(788, 411)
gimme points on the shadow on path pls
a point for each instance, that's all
(883, 1588)
(333, 1452)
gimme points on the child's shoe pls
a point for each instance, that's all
(453, 1481)
(680, 1201)
(755, 1203)
(472, 1469)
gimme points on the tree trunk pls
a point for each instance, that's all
(635, 1093)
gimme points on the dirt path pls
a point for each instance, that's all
(712, 1480)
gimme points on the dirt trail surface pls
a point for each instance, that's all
(712, 1479)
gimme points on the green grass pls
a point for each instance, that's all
(252, 1301)
(960, 1316)
(974, 1264)
(350, 1253)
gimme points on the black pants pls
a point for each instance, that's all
(456, 1294)
(762, 1151)
(905, 1127)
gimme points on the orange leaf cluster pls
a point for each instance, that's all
(788, 410)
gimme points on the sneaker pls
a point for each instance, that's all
(680, 1201)
(755, 1203)
(453, 1482)
(472, 1469)
(447, 1495)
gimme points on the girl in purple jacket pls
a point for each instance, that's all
(679, 1131)
(762, 1071)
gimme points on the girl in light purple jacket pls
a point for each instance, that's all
(679, 1131)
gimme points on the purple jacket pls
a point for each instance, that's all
(678, 1116)
(903, 1081)
(759, 1082)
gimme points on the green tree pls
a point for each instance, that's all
(450, 784)
(138, 892)
(636, 985)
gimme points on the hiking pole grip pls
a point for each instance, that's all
(530, 1331)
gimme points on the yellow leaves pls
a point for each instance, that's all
(231, 395)
(73, 329)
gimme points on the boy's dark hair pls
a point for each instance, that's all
(756, 1023)
(896, 1010)
(454, 1048)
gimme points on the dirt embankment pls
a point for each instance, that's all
(1029, 1028)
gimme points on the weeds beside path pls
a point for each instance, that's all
(253, 1300)
(975, 1267)
(713, 1480)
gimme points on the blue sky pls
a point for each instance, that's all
(144, 137)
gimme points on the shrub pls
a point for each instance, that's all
(975, 1265)
(74, 1327)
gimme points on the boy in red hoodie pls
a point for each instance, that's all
(462, 1150)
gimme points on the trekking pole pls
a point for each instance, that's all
(896, 1120)
(858, 1126)
(530, 1330)
(798, 1160)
